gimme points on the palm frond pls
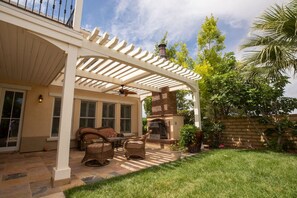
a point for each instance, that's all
(273, 45)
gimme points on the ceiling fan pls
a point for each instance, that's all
(125, 92)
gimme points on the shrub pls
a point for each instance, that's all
(144, 125)
(188, 116)
(187, 135)
(212, 132)
(176, 147)
(278, 131)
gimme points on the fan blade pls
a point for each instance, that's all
(125, 92)
(129, 92)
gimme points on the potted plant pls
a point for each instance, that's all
(191, 137)
(176, 150)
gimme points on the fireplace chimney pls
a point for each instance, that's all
(162, 50)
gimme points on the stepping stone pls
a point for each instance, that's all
(91, 179)
(13, 176)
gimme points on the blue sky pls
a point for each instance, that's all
(144, 22)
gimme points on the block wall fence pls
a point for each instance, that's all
(246, 132)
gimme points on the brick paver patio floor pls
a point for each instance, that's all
(29, 174)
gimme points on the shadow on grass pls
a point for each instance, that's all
(154, 169)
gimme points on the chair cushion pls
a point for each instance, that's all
(96, 147)
(134, 144)
(107, 132)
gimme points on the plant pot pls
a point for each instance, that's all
(176, 154)
(194, 148)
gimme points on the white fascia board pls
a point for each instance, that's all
(83, 52)
(39, 25)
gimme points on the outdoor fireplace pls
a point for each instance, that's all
(158, 128)
(164, 121)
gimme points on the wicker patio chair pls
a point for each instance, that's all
(100, 150)
(135, 147)
(105, 131)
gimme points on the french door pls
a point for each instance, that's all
(11, 111)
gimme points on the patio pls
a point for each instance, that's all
(29, 174)
(66, 70)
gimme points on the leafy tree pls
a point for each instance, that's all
(272, 47)
(223, 89)
(210, 42)
(147, 105)
(221, 82)
(264, 98)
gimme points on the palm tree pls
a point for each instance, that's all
(272, 48)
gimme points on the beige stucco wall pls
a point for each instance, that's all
(37, 117)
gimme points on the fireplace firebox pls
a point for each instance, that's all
(158, 128)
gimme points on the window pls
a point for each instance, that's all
(87, 114)
(108, 115)
(56, 117)
(125, 118)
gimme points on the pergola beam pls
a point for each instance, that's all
(118, 82)
(129, 81)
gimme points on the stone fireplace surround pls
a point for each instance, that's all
(164, 112)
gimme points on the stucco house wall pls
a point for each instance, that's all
(37, 117)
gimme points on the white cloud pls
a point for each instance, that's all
(88, 27)
(122, 6)
(144, 21)
(291, 89)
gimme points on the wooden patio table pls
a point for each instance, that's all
(116, 141)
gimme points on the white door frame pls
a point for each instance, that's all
(2, 94)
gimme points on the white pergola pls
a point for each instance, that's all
(103, 65)
(115, 63)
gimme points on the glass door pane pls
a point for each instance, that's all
(10, 120)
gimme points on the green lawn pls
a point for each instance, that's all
(218, 173)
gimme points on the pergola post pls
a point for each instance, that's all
(139, 106)
(62, 172)
(77, 14)
(197, 111)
